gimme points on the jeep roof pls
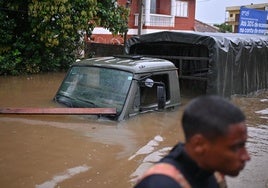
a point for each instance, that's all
(134, 64)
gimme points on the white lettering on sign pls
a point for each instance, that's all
(245, 13)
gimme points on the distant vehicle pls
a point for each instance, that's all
(131, 84)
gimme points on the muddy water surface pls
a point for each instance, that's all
(81, 151)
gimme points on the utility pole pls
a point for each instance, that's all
(140, 17)
(125, 34)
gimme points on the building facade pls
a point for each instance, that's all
(148, 16)
(233, 14)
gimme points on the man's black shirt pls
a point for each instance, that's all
(196, 177)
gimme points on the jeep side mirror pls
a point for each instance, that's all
(149, 82)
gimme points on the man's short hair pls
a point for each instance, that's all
(210, 116)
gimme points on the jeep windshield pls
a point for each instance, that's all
(94, 87)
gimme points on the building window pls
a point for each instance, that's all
(237, 16)
(153, 7)
(181, 8)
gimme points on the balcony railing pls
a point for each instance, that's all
(157, 20)
(230, 19)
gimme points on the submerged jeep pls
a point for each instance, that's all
(132, 85)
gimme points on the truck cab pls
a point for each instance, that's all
(131, 84)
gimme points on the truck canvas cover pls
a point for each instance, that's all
(233, 63)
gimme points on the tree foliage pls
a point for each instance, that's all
(224, 28)
(41, 35)
(111, 16)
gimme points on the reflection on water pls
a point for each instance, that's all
(63, 176)
(255, 173)
(258, 140)
(148, 148)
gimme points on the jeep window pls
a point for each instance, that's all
(95, 87)
(148, 95)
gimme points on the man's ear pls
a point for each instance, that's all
(198, 144)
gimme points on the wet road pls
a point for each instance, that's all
(80, 151)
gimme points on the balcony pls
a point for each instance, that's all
(156, 20)
(230, 19)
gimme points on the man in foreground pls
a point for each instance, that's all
(215, 138)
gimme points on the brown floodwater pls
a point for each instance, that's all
(46, 151)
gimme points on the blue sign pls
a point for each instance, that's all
(253, 21)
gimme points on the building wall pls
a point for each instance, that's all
(134, 9)
(187, 23)
(181, 23)
(164, 8)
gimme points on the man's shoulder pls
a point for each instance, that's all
(175, 156)
(157, 181)
(176, 151)
(167, 174)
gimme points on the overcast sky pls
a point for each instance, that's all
(213, 11)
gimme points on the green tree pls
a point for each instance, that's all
(224, 27)
(41, 35)
(58, 26)
(112, 16)
(13, 18)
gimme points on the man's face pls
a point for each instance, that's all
(228, 154)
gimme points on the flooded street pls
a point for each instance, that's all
(256, 172)
(46, 151)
